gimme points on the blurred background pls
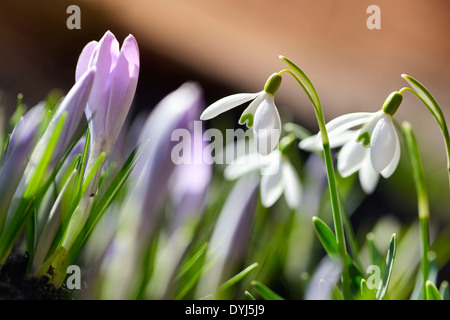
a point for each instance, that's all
(233, 46)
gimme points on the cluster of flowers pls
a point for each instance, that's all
(56, 181)
(373, 149)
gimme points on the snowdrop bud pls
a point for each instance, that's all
(272, 84)
(392, 103)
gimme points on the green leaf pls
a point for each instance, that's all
(374, 253)
(444, 290)
(265, 292)
(249, 296)
(55, 268)
(304, 82)
(432, 291)
(108, 197)
(326, 237)
(238, 277)
(387, 271)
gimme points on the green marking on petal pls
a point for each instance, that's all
(247, 119)
(364, 138)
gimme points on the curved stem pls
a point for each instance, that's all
(309, 89)
(428, 100)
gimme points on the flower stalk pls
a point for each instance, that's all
(422, 198)
(308, 87)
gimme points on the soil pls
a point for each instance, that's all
(15, 284)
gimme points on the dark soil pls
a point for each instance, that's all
(16, 285)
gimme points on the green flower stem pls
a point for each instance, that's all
(428, 100)
(309, 89)
(422, 197)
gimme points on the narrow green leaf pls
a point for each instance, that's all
(265, 292)
(444, 290)
(374, 254)
(192, 261)
(97, 166)
(238, 277)
(326, 237)
(304, 81)
(432, 291)
(249, 296)
(41, 167)
(108, 197)
(387, 271)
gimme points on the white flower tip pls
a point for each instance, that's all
(205, 115)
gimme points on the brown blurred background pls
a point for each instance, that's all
(233, 46)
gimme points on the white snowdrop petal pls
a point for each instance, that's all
(312, 143)
(271, 186)
(244, 165)
(367, 176)
(251, 110)
(291, 185)
(383, 144)
(390, 169)
(350, 157)
(348, 121)
(267, 127)
(226, 104)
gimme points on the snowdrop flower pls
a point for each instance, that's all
(113, 88)
(261, 113)
(372, 150)
(278, 176)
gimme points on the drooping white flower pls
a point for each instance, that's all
(372, 150)
(261, 113)
(278, 176)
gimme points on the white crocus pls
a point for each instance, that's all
(372, 150)
(278, 176)
(261, 113)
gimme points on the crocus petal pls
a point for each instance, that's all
(383, 144)
(389, 170)
(74, 103)
(104, 58)
(271, 184)
(267, 127)
(123, 87)
(367, 176)
(351, 157)
(226, 104)
(84, 59)
(291, 185)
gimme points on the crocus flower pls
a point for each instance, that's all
(227, 246)
(372, 150)
(21, 143)
(148, 190)
(113, 88)
(266, 124)
(278, 176)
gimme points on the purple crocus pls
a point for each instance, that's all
(113, 88)
(148, 191)
(228, 243)
(21, 143)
